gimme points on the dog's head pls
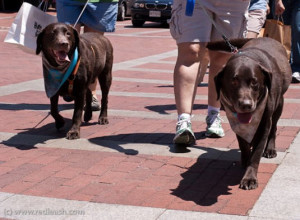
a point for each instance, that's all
(57, 41)
(243, 83)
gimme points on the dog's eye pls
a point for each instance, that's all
(68, 33)
(254, 82)
(235, 82)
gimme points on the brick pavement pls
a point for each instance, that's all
(131, 161)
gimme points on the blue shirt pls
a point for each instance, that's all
(258, 4)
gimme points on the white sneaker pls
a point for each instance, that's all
(214, 126)
(296, 77)
(184, 134)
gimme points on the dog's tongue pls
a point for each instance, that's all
(63, 56)
(244, 118)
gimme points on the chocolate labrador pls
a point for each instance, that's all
(251, 88)
(71, 62)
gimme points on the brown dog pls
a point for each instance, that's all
(85, 58)
(251, 88)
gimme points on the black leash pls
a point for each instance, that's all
(41, 120)
(232, 48)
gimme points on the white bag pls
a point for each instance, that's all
(28, 23)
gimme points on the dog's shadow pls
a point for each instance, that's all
(205, 183)
(208, 182)
(28, 138)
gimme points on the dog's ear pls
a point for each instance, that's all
(76, 37)
(39, 43)
(268, 77)
(218, 83)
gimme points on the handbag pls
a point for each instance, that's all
(28, 23)
(277, 30)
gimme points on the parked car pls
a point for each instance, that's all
(124, 9)
(150, 10)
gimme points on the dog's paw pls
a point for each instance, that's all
(103, 120)
(73, 134)
(270, 153)
(248, 184)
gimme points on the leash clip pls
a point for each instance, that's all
(233, 49)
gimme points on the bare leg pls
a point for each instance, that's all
(186, 75)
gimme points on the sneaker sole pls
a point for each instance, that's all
(185, 138)
(214, 135)
(294, 80)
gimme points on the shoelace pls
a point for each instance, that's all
(94, 99)
(184, 122)
(215, 119)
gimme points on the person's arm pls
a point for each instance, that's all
(279, 7)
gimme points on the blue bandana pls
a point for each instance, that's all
(54, 79)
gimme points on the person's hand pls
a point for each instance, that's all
(279, 7)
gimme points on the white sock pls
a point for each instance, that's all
(211, 108)
(184, 116)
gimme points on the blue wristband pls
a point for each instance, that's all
(189, 7)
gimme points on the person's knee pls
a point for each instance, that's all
(189, 53)
(218, 59)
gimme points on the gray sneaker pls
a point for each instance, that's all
(184, 134)
(214, 126)
(95, 104)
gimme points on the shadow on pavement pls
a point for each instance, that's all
(207, 181)
(204, 182)
(162, 109)
(35, 107)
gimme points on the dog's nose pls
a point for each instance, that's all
(63, 44)
(245, 104)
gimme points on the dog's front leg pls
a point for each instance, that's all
(245, 148)
(74, 132)
(59, 120)
(249, 180)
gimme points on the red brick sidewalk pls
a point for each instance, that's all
(120, 174)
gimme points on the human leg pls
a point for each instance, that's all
(256, 20)
(186, 78)
(295, 24)
(213, 120)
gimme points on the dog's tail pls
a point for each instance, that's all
(223, 46)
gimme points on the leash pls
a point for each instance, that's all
(189, 12)
(45, 5)
(81, 13)
(42, 120)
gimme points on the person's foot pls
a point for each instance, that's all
(214, 127)
(296, 77)
(184, 134)
(95, 104)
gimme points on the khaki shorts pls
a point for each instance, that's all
(229, 15)
(256, 20)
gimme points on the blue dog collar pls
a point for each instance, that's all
(54, 79)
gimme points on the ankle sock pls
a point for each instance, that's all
(211, 108)
(184, 116)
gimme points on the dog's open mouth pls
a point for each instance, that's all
(244, 118)
(61, 56)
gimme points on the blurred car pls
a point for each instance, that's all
(151, 10)
(124, 9)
